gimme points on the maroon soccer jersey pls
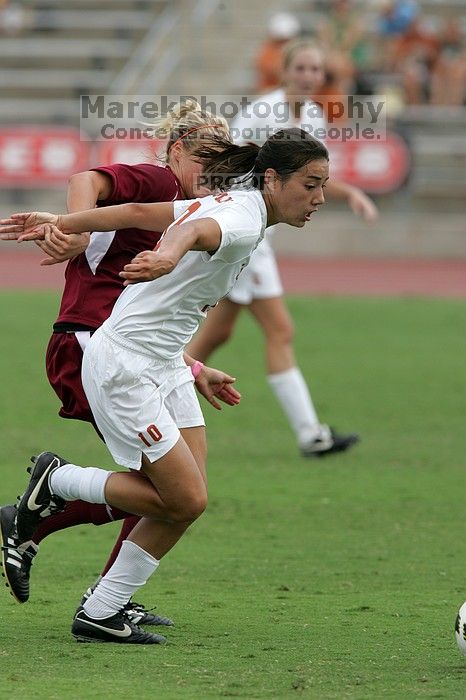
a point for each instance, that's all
(92, 284)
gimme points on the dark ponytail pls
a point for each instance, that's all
(225, 158)
(286, 151)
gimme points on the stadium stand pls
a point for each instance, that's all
(207, 47)
(61, 53)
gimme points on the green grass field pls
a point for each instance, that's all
(337, 578)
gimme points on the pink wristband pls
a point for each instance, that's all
(196, 369)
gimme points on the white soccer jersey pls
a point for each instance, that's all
(161, 316)
(257, 121)
(270, 113)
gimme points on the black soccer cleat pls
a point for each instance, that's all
(16, 559)
(38, 502)
(136, 612)
(118, 629)
(328, 442)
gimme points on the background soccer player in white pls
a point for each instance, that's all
(259, 288)
(138, 385)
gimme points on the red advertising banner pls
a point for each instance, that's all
(40, 156)
(46, 157)
(377, 167)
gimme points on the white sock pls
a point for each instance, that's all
(131, 569)
(84, 483)
(293, 395)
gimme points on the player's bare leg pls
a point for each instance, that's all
(180, 480)
(173, 493)
(288, 384)
(277, 326)
(180, 484)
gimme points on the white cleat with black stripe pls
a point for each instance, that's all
(16, 558)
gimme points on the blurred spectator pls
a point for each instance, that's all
(396, 16)
(393, 20)
(415, 54)
(449, 72)
(12, 18)
(344, 36)
(281, 28)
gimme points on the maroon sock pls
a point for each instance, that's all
(77, 513)
(126, 528)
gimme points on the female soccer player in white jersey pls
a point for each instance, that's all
(259, 289)
(92, 286)
(137, 383)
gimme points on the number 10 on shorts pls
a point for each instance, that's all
(150, 435)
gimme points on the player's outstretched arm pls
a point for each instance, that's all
(27, 226)
(202, 234)
(152, 217)
(85, 189)
(357, 200)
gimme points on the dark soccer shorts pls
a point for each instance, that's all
(63, 362)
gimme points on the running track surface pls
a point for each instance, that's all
(317, 276)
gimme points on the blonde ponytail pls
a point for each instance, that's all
(189, 123)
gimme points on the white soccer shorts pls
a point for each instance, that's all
(139, 402)
(260, 278)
